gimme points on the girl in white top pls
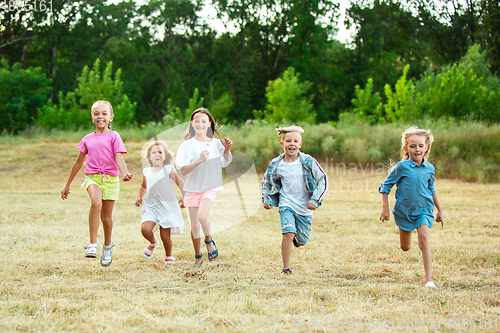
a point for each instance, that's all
(201, 157)
(160, 204)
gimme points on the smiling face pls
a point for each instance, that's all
(201, 123)
(157, 156)
(101, 117)
(416, 148)
(291, 142)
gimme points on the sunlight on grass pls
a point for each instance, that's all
(352, 268)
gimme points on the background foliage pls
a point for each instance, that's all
(164, 53)
(22, 91)
(73, 110)
(408, 63)
(466, 150)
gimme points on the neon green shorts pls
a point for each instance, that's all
(109, 185)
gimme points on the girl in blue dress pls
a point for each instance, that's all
(415, 195)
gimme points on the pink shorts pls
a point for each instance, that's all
(192, 199)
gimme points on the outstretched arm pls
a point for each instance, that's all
(122, 166)
(439, 215)
(385, 215)
(74, 170)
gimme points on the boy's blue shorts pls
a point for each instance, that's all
(300, 225)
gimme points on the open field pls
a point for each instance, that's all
(351, 272)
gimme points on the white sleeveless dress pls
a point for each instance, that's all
(160, 204)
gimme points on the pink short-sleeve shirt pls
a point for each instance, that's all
(100, 150)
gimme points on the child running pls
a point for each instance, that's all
(160, 204)
(201, 157)
(296, 183)
(415, 195)
(103, 149)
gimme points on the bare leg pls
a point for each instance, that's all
(405, 239)
(147, 231)
(425, 247)
(286, 248)
(107, 220)
(203, 210)
(197, 249)
(95, 194)
(195, 233)
(167, 240)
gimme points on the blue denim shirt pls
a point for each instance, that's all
(315, 179)
(415, 188)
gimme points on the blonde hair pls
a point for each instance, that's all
(414, 130)
(282, 131)
(103, 102)
(169, 156)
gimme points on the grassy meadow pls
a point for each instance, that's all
(352, 274)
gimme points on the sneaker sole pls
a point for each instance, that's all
(91, 256)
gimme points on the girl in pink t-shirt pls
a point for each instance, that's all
(103, 149)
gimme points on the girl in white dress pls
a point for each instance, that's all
(201, 157)
(161, 207)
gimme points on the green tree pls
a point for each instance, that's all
(387, 37)
(367, 105)
(69, 36)
(194, 103)
(475, 60)
(287, 100)
(272, 36)
(456, 94)
(467, 89)
(222, 107)
(22, 91)
(400, 103)
(491, 28)
(170, 57)
(73, 110)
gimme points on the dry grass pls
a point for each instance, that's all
(352, 269)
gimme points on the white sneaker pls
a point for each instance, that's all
(91, 250)
(430, 284)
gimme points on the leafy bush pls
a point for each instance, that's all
(465, 150)
(367, 105)
(221, 108)
(73, 110)
(400, 104)
(466, 90)
(286, 100)
(22, 92)
(194, 103)
(455, 94)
